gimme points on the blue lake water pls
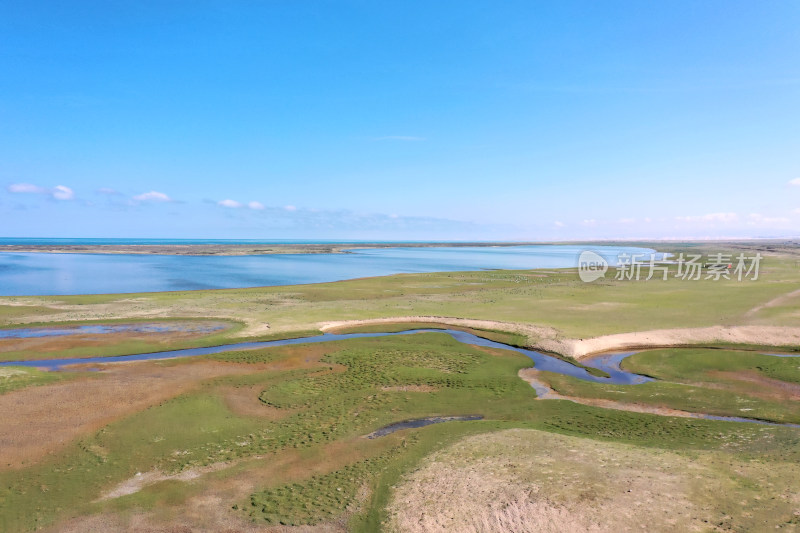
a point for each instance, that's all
(49, 241)
(64, 273)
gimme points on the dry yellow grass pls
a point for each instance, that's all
(525, 481)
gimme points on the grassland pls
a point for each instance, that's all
(709, 381)
(555, 306)
(273, 439)
(314, 401)
(12, 378)
(347, 393)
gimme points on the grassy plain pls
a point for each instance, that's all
(314, 400)
(713, 381)
(554, 301)
(273, 439)
(13, 377)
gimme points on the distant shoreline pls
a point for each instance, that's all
(191, 247)
(236, 249)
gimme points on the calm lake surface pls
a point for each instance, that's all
(45, 273)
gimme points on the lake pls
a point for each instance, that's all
(64, 273)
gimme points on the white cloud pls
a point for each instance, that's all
(710, 217)
(797, 211)
(627, 220)
(558, 224)
(589, 222)
(290, 208)
(229, 203)
(795, 182)
(107, 190)
(152, 196)
(258, 206)
(23, 188)
(59, 192)
(759, 219)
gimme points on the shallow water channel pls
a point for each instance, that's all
(609, 363)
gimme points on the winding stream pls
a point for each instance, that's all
(541, 361)
(609, 363)
(102, 329)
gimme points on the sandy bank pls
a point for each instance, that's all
(551, 340)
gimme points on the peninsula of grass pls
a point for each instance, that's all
(700, 380)
(693, 365)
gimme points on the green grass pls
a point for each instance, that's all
(505, 337)
(700, 381)
(197, 429)
(356, 387)
(14, 312)
(17, 377)
(697, 364)
(555, 298)
(321, 497)
(155, 438)
(694, 399)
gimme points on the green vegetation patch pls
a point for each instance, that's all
(555, 298)
(323, 497)
(505, 337)
(357, 386)
(721, 397)
(698, 364)
(17, 377)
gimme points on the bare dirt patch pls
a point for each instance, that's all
(209, 510)
(780, 300)
(244, 401)
(59, 343)
(765, 387)
(511, 327)
(544, 392)
(142, 480)
(410, 388)
(10, 372)
(665, 338)
(41, 420)
(551, 340)
(202, 522)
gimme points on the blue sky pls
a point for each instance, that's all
(400, 120)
